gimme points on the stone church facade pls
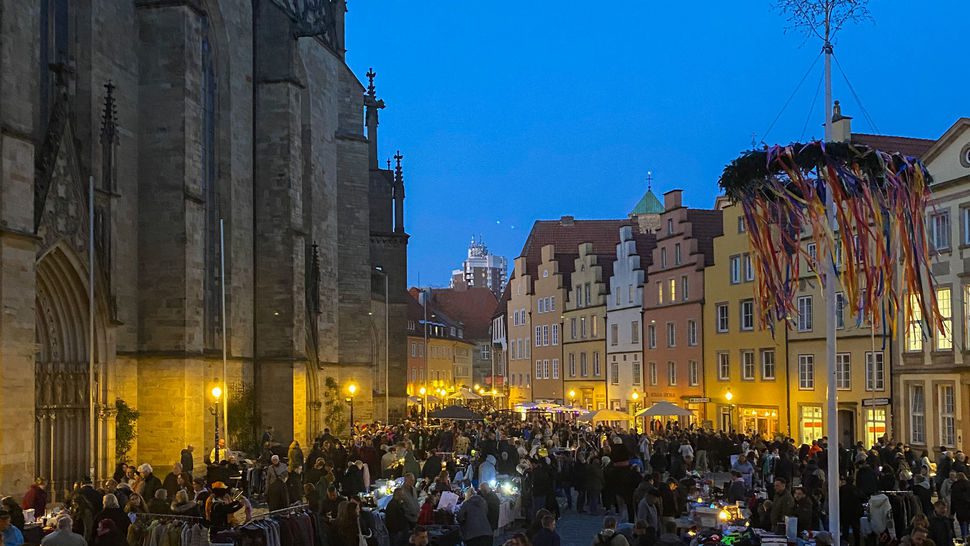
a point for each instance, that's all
(188, 114)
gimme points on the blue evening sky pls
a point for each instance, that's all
(508, 112)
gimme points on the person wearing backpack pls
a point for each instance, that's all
(608, 536)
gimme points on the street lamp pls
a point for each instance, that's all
(387, 345)
(217, 393)
(730, 396)
(636, 408)
(572, 398)
(424, 402)
(352, 389)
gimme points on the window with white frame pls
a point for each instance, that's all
(596, 364)
(748, 268)
(545, 369)
(747, 365)
(875, 371)
(538, 369)
(663, 258)
(805, 313)
(572, 328)
(571, 363)
(538, 336)
(806, 372)
(545, 335)
(660, 292)
(947, 416)
(747, 315)
(684, 288)
(917, 412)
(693, 373)
(594, 325)
(651, 336)
(914, 328)
(735, 262)
(637, 374)
(542, 305)
(723, 366)
(552, 303)
(692, 332)
(582, 327)
(671, 374)
(671, 335)
(630, 293)
(677, 254)
(583, 365)
(670, 226)
(741, 224)
(944, 333)
(635, 331)
(652, 372)
(579, 295)
(722, 317)
(812, 260)
(843, 371)
(939, 230)
(555, 334)
(486, 352)
(614, 373)
(768, 365)
(555, 368)
(672, 283)
(616, 295)
(614, 334)
(589, 297)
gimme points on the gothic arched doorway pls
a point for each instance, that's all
(62, 395)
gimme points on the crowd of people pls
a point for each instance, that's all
(641, 483)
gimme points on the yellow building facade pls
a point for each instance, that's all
(584, 325)
(745, 371)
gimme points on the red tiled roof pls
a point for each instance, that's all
(435, 316)
(567, 236)
(914, 147)
(473, 307)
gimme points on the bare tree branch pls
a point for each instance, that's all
(823, 18)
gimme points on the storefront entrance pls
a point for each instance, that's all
(761, 421)
(875, 425)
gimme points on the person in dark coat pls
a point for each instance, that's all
(805, 510)
(112, 511)
(473, 522)
(395, 519)
(108, 534)
(547, 535)
(850, 509)
(941, 525)
(186, 459)
(593, 483)
(960, 503)
(432, 467)
(493, 503)
(866, 481)
(150, 482)
(16, 513)
(171, 481)
(277, 494)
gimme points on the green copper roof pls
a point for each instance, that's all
(649, 204)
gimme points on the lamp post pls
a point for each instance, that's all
(424, 403)
(730, 396)
(387, 345)
(217, 394)
(352, 390)
(572, 398)
(636, 408)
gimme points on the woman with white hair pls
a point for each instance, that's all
(112, 510)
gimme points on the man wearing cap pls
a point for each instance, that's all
(11, 535)
(63, 535)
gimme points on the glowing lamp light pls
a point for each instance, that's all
(352, 389)
(723, 515)
(636, 396)
(422, 391)
(216, 392)
(492, 483)
(729, 395)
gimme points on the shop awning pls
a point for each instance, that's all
(664, 409)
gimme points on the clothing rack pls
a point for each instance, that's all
(287, 510)
(169, 516)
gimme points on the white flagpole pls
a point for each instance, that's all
(92, 397)
(225, 377)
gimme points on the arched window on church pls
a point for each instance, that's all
(207, 140)
(55, 52)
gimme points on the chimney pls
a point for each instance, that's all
(673, 200)
(567, 221)
(841, 125)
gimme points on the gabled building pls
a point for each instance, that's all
(500, 347)
(472, 308)
(584, 330)
(931, 380)
(673, 303)
(439, 356)
(624, 316)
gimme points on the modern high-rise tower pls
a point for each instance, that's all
(481, 269)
